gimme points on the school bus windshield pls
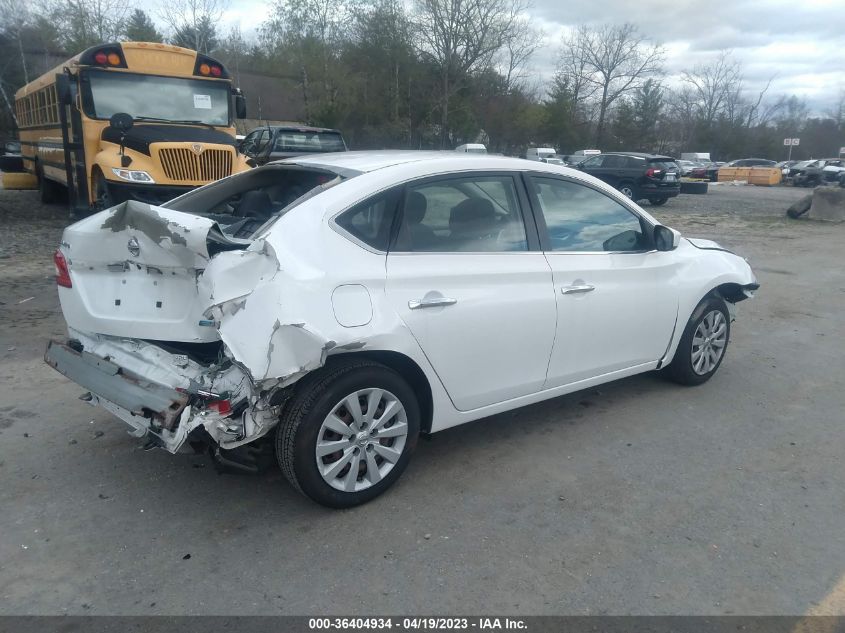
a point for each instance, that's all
(169, 98)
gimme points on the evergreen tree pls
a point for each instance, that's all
(140, 28)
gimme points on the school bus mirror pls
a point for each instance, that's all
(240, 106)
(63, 91)
(121, 121)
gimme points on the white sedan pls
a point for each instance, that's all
(329, 309)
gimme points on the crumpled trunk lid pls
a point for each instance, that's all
(135, 271)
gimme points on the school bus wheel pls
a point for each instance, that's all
(102, 199)
(47, 189)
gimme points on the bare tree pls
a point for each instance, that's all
(84, 23)
(715, 87)
(606, 62)
(461, 37)
(521, 43)
(194, 18)
(15, 17)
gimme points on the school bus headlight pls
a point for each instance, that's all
(133, 175)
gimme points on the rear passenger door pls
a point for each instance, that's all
(466, 275)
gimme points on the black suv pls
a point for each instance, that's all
(636, 175)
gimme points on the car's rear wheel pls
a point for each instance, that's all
(348, 433)
(627, 189)
(703, 343)
(658, 202)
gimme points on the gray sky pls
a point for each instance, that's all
(799, 42)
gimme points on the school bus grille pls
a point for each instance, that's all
(180, 163)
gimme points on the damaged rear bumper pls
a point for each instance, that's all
(136, 395)
(163, 396)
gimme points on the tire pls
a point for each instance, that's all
(46, 188)
(103, 199)
(658, 202)
(694, 187)
(627, 189)
(306, 425)
(686, 367)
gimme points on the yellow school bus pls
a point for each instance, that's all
(129, 120)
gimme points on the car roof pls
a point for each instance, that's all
(296, 128)
(640, 155)
(363, 162)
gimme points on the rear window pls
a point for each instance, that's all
(303, 141)
(242, 204)
(663, 163)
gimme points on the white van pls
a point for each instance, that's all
(543, 155)
(472, 148)
(696, 157)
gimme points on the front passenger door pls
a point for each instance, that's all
(616, 296)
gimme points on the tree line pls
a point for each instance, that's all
(438, 73)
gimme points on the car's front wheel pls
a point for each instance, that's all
(703, 343)
(348, 432)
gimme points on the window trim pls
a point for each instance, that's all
(337, 228)
(394, 192)
(539, 218)
(532, 233)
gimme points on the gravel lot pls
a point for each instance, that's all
(640, 497)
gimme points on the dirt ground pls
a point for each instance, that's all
(640, 497)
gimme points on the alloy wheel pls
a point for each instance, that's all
(708, 342)
(361, 439)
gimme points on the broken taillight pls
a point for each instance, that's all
(222, 407)
(653, 173)
(62, 272)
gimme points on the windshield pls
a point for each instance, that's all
(168, 98)
(305, 141)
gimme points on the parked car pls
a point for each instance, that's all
(687, 166)
(10, 157)
(638, 176)
(703, 171)
(833, 168)
(574, 159)
(798, 166)
(819, 171)
(751, 162)
(404, 293)
(270, 143)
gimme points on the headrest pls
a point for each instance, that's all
(415, 207)
(255, 204)
(473, 215)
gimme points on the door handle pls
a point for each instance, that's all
(434, 302)
(571, 290)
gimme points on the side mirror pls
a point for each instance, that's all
(63, 91)
(122, 122)
(240, 106)
(666, 239)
